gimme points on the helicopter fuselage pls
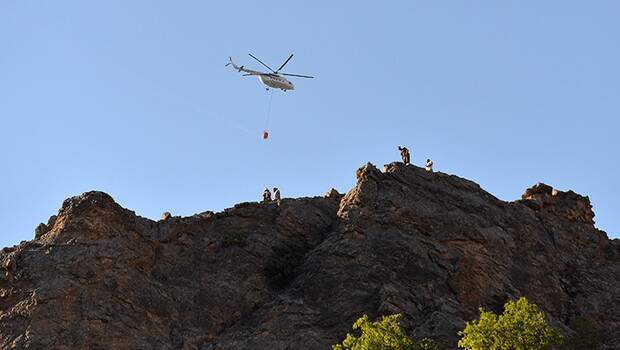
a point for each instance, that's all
(273, 79)
(276, 82)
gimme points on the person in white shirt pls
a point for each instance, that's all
(429, 165)
(276, 195)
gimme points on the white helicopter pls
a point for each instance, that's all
(273, 79)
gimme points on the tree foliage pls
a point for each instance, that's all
(522, 326)
(425, 344)
(385, 334)
(283, 263)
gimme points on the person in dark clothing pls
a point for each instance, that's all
(404, 153)
(266, 196)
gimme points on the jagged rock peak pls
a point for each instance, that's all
(540, 189)
(73, 207)
(367, 171)
(90, 216)
(88, 200)
(333, 193)
(567, 204)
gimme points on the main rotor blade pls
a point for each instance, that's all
(296, 75)
(285, 62)
(261, 62)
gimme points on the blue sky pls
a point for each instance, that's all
(132, 98)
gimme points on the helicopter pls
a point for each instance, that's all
(273, 79)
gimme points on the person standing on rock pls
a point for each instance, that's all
(429, 165)
(266, 196)
(404, 154)
(276, 195)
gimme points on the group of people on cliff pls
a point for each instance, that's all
(277, 198)
(404, 153)
(406, 156)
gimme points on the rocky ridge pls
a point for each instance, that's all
(431, 246)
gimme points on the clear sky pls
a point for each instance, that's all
(132, 98)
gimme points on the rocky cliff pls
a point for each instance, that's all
(431, 246)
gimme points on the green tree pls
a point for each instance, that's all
(522, 326)
(382, 335)
(283, 263)
(425, 344)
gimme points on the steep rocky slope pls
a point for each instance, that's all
(431, 246)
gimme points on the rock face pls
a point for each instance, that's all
(430, 246)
